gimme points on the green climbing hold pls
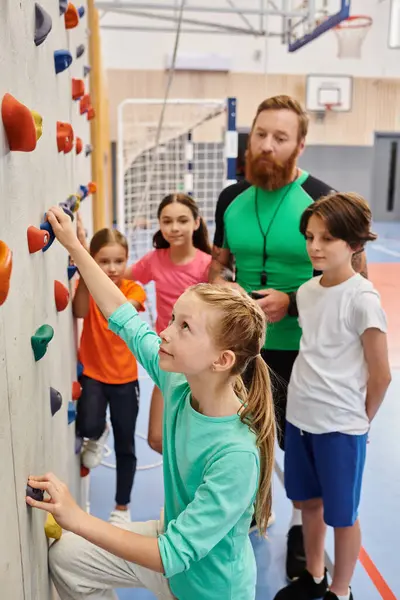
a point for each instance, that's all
(40, 340)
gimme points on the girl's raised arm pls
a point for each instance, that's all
(125, 322)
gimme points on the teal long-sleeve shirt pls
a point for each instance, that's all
(211, 472)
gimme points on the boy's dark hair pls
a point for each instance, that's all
(200, 236)
(347, 217)
(106, 236)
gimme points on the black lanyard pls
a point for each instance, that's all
(264, 276)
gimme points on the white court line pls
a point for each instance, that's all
(380, 248)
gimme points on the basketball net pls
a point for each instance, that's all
(351, 34)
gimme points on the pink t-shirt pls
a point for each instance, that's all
(171, 280)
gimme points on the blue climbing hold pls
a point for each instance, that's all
(62, 60)
(81, 11)
(83, 191)
(47, 227)
(72, 269)
(63, 6)
(43, 24)
(79, 370)
(71, 412)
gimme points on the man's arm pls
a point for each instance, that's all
(359, 263)
(220, 265)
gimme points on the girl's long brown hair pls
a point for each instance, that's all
(200, 236)
(106, 236)
(241, 328)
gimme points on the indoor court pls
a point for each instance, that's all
(159, 96)
(348, 77)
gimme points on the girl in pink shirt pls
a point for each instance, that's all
(181, 258)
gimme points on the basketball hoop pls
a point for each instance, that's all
(350, 34)
(328, 107)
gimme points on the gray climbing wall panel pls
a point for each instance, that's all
(31, 440)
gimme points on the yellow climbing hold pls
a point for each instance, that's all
(52, 528)
(38, 124)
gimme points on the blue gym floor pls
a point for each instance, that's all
(377, 575)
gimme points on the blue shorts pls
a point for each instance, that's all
(328, 466)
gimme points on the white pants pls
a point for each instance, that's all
(80, 570)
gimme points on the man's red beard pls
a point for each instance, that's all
(266, 173)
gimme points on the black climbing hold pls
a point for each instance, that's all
(34, 493)
(86, 70)
(43, 24)
(55, 401)
(80, 50)
(88, 149)
(63, 6)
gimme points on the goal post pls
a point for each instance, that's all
(195, 152)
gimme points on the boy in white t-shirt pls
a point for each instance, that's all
(337, 385)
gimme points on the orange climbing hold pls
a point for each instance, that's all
(91, 113)
(18, 124)
(78, 89)
(71, 16)
(65, 137)
(37, 239)
(78, 145)
(61, 296)
(5, 271)
(92, 187)
(76, 390)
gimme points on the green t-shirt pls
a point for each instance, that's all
(288, 265)
(211, 469)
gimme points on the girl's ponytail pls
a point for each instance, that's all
(259, 414)
(201, 239)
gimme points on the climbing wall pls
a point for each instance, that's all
(34, 175)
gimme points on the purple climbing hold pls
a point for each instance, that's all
(55, 401)
(63, 6)
(86, 70)
(43, 24)
(34, 493)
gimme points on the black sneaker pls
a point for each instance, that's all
(304, 588)
(331, 596)
(295, 558)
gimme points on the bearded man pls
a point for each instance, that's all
(257, 224)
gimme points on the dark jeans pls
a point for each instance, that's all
(280, 363)
(91, 421)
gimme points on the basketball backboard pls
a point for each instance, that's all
(333, 92)
(315, 18)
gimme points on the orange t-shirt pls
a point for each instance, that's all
(104, 355)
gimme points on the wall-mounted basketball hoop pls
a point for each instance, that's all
(351, 34)
(327, 107)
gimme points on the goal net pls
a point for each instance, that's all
(191, 156)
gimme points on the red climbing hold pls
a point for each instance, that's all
(18, 124)
(61, 296)
(71, 17)
(91, 113)
(84, 471)
(76, 390)
(37, 239)
(78, 88)
(85, 104)
(5, 271)
(78, 145)
(65, 137)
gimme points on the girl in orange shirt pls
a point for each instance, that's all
(110, 372)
